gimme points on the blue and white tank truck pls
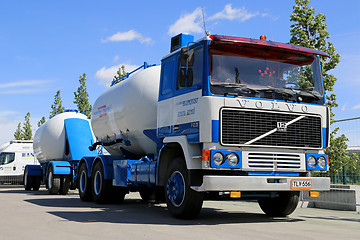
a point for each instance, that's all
(221, 117)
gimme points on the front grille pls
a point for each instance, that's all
(272, 161)
(260, 128)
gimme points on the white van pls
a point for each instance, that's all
(14, 156)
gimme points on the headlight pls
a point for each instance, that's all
(218, 158)
(233, 159)
(322, 162)
(312, 161)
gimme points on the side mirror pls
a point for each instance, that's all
(190, 77)
(182, 77)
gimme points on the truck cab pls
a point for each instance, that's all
(14, 156)
(247, 116)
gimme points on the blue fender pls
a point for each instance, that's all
(34, 170)
(107, 162)
(88, 162)
(61, 167)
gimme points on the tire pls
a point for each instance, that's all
(64, 185)
(36, 183)
(84, 184)
(101, 188)
(280, 206)
(147, 194)
(53, 182)
(181, 200)
(28, 181)
(118, 194)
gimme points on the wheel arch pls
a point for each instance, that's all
(175, 147)
(107, 164)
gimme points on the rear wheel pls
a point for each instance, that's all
(53, 182)
(101, 188)
(36, 183)
(147, 194)
(181, 200)
(84, 184)
(282, 205)
(64, 185)
(28, 180)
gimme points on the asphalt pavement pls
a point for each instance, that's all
(37, 215)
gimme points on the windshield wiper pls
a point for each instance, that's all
(237, 89)
(314, 94)
(287, 93)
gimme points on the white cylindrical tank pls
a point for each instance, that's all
(127, 109)
(49, 139)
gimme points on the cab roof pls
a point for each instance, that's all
(249, 42)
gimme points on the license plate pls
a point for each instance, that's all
(301, 184)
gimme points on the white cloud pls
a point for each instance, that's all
(356, 107)
(23, 87)
(8, 127)
(23, 83)
(106, 75)
(229, 13)
(4, 114)
(116, 58)
(128, 36)
(9, 121)
(188, 23)
(344, 107)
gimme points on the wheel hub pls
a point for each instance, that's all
(97, 182)
(176, 188)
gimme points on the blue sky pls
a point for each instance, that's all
(46, 45)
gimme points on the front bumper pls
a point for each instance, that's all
(259, 183)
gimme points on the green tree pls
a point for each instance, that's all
(309, 30)
(82, 97)
(26, 131)
(41, 122)
(337, 152)
(57, 107)
(119, 74)
(18, 134)
(353, 165)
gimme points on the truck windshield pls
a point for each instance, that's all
(290, 78)
(6, 158)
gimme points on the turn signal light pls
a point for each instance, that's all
(235, 194)
(205, 155)
(314, 194)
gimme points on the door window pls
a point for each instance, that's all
(6, 158)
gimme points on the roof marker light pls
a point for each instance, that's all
(263, 37)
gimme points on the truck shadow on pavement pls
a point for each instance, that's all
(135, 211)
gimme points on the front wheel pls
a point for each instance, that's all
(282, 205)
(181, 200)
(28, 180)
